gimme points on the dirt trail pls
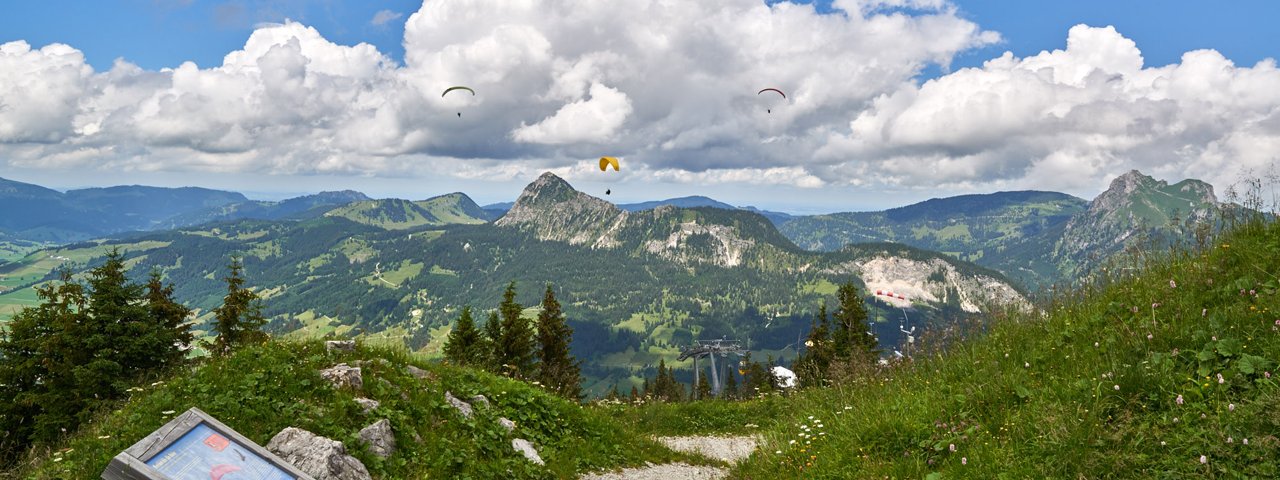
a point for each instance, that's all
(728, 449)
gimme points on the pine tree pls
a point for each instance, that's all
(515, 349)
(172, 334)
(812, 366)
(41, 350)
(557, 369)
(239, 320)
(634, 394)
(493, 332)
(704, 387)
(465, 345)
(850, 339)
(730, 386)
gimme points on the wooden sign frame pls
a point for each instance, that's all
(132, 464)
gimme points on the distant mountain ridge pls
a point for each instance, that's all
(41, 214)
(1038, 238)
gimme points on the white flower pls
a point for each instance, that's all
(1204, 459)
(167, 412)
(1244, 441)
(952, 447)
(779, 452)
(792, 442)
(1026, 364)
(1231, 407)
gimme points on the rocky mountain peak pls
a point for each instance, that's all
(554, 210)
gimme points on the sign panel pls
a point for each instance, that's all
(203, 454)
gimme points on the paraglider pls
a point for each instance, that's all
(605, 162)
(458, 87)
(771, 90)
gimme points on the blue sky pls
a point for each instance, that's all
(164, 33)
(862, 131)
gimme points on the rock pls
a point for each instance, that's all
(368, 404)
(479, 400)
(462, 406)
(320, 457)
(344, 376)
(507, 424)
(419, 373)
(380, 438)
(340, 345)
(525, 448)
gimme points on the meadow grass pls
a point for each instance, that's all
(261, 390)
(1167, 370)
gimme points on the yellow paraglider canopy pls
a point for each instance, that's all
(606, 161)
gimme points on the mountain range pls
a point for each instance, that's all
(638, 280)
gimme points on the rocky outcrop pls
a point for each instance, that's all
(463, 407)
(480, 400)
(340, 345)
(343, 376)
(552, 210)
(507, 424)
(379, 437)
(368, 404)
(320, 457)
(525, 448)
(934, 281)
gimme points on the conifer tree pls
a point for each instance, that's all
(645, 392)
(730, 386)
(239, 320)
(515, 349)
(557, 369)
(173, 335)
(634, 394)
(704, 387)
(465, 345)
(813, 364)
(850, 340)
(493, 332)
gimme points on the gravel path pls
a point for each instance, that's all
(729, 449)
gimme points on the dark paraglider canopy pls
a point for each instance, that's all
(771, 90)
(458, 87)
(608, 191)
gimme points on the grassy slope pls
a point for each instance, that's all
(1080, 392)
(261, 390)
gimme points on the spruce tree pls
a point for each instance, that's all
(515, 349)
(465, 345)
(850, 339)
(634, 394)
(239, 320)
(730, 386)
(813, 364)
(172, 334)
(493, 332)
(41, 350)
(704, 387)
(557, 369)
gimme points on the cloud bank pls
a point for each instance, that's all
(668, 86)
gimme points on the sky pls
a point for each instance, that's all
(888, 102)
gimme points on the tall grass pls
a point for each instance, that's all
(1166, 368)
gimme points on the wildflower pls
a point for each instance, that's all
(1155, 305)
(1117, 388)
(1134, 309)
(1251, 292)
(1203, 311)
(1267, 374)
(1172, 284)
(1244, 441)
(792, 442)
(167, 412)
(103, 437)
(1178, 400)
(1231, 407)
(1175, 419)
(953, 447)
(1026, 364)
(1149, 336)
(1231, 440)
(1220, 379)
(1162, 443)
(1095, 344)
(964, 460)
(1204, 459)
(779, 452)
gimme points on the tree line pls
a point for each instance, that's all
(509, 345)
(86, 344)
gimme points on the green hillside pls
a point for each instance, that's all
(1169, 373)
(1006, 231)
(261, 390)
(397, 214)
